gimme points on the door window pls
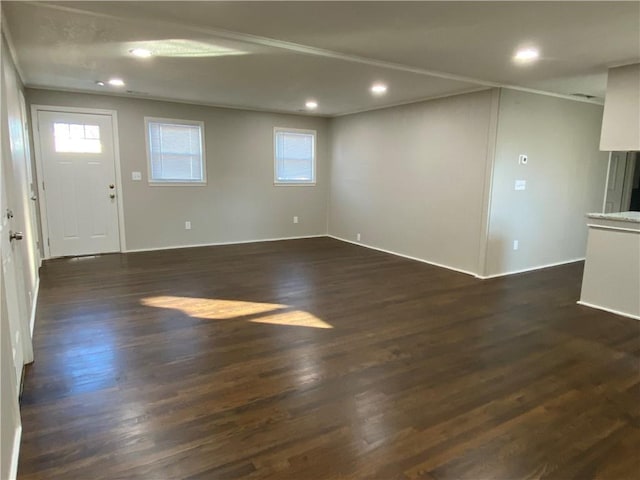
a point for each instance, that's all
(77, 138)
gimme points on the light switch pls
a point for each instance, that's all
(520, 185)
(136, 176)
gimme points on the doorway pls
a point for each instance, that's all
(80, 192)
(623, 183)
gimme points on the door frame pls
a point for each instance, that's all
(606, 185)
(627, 186)
(42, 200)
(33, 186)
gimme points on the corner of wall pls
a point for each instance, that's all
(7, 41)
(492, 136)
(330, 155)
(564, 180)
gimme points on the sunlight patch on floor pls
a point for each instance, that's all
(255, 312)
(294, 318)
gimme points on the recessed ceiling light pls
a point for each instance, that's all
(100, 83)
(526, 55)
(378, 88)
(311, 104)
(140, 52)
(116, 82)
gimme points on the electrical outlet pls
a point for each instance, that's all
(295, 219)
(522, 159)
(515, 245)
(520, 185)
(187, 225)
(358, 237)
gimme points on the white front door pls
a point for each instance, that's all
(78, 161)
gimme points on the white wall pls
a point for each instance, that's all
(565, 177)
(434, 180)
(411, 179)
(239, 203)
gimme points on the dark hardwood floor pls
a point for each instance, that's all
(316, 359)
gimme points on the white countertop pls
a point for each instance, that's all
(633, 217)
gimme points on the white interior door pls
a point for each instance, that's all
(8, 289)
(9, 408)
(78, 162)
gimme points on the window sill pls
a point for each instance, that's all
(177, 184)
(294, 184)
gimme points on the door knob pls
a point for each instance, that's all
(112, 186)
(112, 195)
(15, 235)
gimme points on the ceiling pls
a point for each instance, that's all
(277, 55)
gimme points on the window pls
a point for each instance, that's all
(295, 156)
(76, 138)
(175, 150)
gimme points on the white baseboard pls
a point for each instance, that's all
(610, 310)
(13, 468)
(459, 270)
(391, 252)
(531, 269)
(216, 244)
(34, 305)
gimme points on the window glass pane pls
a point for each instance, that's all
(76, 131)
(61, 130)
(294, 157)
(73, 138)
(91, 131)
(175, 152)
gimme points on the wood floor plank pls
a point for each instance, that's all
(318, 359)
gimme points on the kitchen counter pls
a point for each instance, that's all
(611, 279)
(631, 217)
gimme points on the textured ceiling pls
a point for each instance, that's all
(276, 55)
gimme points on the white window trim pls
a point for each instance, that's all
(169, 183)
(296, 183)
